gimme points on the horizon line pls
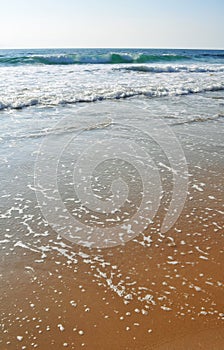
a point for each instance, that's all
(110, 47)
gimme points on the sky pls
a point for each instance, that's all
(115, 23)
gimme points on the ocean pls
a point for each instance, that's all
(65, 76)
(87, 95)
(111, 198)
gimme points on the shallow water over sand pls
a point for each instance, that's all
(159, 289)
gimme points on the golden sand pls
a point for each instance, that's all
(162, 293)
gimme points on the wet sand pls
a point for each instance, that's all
(160, 291)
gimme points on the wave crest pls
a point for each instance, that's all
(108, 58)
(172, 69)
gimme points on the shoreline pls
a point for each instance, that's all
(159, 291)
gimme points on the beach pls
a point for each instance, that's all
(74, 275)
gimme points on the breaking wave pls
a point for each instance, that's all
(111, 94)
(108, 58)
(173, 69)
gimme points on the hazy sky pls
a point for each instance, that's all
(115, 23)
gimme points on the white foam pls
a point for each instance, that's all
(79, 85)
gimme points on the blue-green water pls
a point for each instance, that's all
(54, 77)
(107, 56)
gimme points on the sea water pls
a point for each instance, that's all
(58, 106)
(67, 76)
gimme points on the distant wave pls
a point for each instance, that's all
(172, 69)
(215, 55)
(111, 94)
(108, 58)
